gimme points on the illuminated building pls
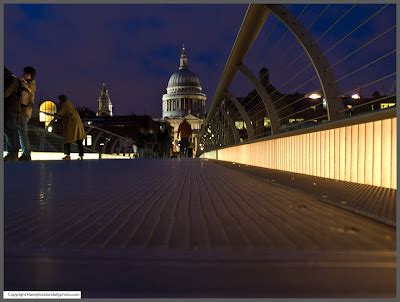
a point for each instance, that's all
(184, 100)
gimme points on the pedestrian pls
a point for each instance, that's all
(28, 89)
(12, 108)
(165, 141)
(73, 131)
(184, 132)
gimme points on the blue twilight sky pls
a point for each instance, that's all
(135, 48)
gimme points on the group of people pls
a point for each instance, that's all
(19, 96)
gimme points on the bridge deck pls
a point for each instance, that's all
(184, 228)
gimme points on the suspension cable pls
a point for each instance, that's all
(368, 103)
(336, 22)
(338, 62)
(373, 82)
(308, 28)
(349, 74)
(300, 111)
(282, 36)
(362, 47)
(366, 65)
(351, 32)
(393, 87)
(356, 28)
(328, 30)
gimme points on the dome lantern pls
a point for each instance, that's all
(184, 60)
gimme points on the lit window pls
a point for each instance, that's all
(387, 105)
(240, 125)
(88, 140)
(267, 122)
(296, 120)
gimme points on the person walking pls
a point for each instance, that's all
(184, 132)
(12, 108)
(73, 131)
(28, 89)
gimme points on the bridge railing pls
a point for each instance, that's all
(48, 137)
(338, 67)
(339, 110)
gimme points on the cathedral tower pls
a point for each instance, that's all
(105, 106)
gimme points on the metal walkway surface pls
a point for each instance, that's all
(184, 228)
(377, 203)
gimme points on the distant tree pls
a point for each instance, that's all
(376, 95)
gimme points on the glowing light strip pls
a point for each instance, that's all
(363, 153)
(74, 156)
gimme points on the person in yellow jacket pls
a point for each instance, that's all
(73, 131)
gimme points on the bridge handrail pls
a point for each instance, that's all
(87, 125)
(329, 107)
(358, 119)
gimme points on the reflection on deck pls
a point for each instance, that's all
(185, 228)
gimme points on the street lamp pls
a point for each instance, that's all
(356, 96)
(314, 96)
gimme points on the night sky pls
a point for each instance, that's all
(135, 49)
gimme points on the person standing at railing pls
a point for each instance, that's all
(73, 131)
(28, 89)
(12, 108)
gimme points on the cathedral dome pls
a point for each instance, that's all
(183, 77)
(184, 93)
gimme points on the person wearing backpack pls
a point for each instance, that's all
(12, 108)
(28, 89)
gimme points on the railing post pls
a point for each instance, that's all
(96, 140)
(105, 145)
(114, 144)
